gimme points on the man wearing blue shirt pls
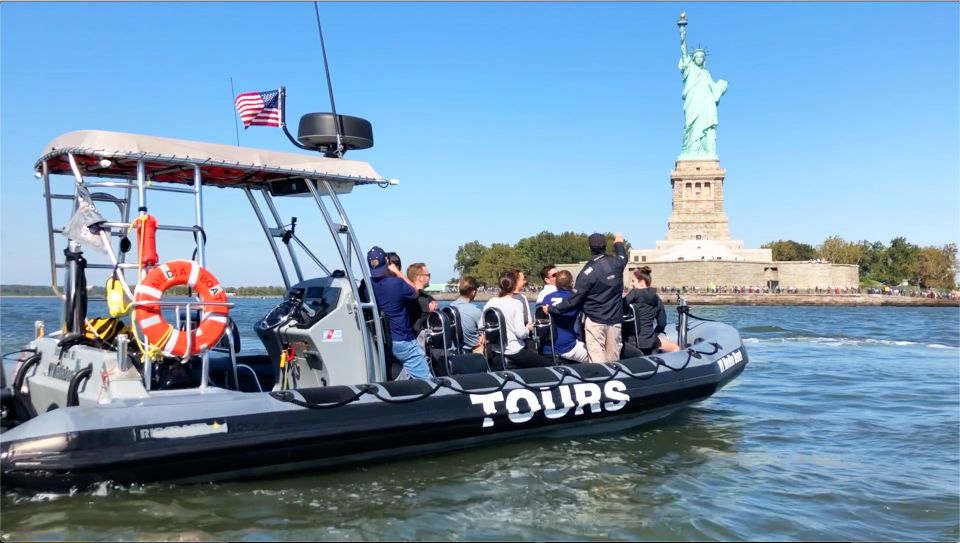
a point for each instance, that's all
(393, 290)
(470, 315)
(567, 323)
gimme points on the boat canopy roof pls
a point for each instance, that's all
(171, 160)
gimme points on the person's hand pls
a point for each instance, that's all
(529, 327)
(432, 306)
(618, 238)
(392, 268)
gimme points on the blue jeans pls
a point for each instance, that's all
(414, 361)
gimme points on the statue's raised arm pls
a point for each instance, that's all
(682, 23)
(701, 94)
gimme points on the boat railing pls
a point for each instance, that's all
(188, 324)
(116, 229)
(134, 199)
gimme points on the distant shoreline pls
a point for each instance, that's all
(708, 299)
(770, 299)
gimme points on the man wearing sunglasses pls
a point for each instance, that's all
(549, 276)
(419, 275)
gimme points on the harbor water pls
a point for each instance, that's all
(844, 426)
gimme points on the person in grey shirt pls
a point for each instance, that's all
(470, 315)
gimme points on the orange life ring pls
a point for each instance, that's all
(157, 330)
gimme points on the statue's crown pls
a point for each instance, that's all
(699, 50)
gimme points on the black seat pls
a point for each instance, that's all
(463, 364)
(494, 331)
(438, 342)
(452, 314)
(629, 327)
(632, 328)
(195, 316)
(545, 333)
(445, 347)
(391, 362)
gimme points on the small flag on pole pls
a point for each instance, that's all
(259, 108)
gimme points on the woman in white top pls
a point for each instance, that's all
(516, 331)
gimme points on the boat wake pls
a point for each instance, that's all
(844, 341)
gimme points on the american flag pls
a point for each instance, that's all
(259, 108)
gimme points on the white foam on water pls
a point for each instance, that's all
(102, 489)
(46, 497)
(847, 342)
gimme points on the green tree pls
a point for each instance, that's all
(935, 267)
(549, 248)
(839, 251)
(468, 256)
(500, 258)
(872, 260)
(900, 260)
(791, 250)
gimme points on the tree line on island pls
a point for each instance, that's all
(880, 263)
(923, 267)
(528, 255)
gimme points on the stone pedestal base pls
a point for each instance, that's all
(697, 202)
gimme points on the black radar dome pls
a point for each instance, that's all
(319, 131)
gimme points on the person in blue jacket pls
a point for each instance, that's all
(566, 341)
(393, 290)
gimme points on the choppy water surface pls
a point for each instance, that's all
(843, 426)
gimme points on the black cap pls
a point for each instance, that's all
(597, 241)
(377, 259)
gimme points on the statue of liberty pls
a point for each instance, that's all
(701, 94)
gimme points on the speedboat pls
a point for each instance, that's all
(160, 389)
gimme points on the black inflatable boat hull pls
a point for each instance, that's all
(220, 435)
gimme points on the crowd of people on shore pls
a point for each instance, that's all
(819, 290)
(587, 316)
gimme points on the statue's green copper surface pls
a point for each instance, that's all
(701, 94)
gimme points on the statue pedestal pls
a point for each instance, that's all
(697, 202)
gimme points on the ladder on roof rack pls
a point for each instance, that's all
(116, 229)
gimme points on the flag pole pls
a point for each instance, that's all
(233, 98)
(282, 102)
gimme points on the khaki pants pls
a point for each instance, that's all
(603, 341)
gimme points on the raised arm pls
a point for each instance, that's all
(683, 43)
(392, 268)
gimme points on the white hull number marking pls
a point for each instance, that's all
(730, 360)
(582, 396)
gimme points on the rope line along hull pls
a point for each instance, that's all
(231, 435)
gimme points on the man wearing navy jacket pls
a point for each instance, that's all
(599, 292)
(393, 290)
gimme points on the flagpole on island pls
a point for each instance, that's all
(233, 98)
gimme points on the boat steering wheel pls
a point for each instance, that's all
(280, 315)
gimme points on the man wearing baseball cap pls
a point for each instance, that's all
(599, 291)
(393, 290)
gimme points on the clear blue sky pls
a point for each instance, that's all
(505, 119)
